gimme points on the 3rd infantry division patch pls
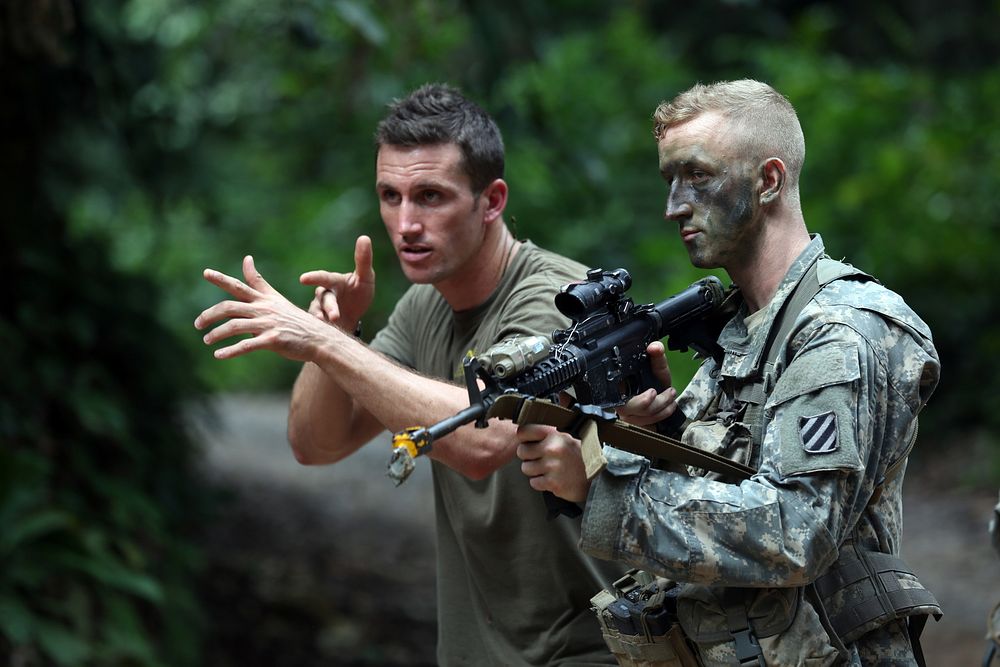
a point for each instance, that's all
(819, 433)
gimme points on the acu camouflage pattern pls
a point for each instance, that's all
(993, 622)
(856, 349)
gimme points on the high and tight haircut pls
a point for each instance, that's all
(764, 122)
(437, 113)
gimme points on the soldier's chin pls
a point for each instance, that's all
(700, 261)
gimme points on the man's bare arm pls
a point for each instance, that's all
(372, 393)
(347, 381)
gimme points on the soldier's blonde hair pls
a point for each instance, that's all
(763, 121)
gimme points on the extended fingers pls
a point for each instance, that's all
(658, 362)
(234, 327)
(241, 347)
(221, 311)
(254, 277)
(233, 286)
(363, 259)
(323, 279)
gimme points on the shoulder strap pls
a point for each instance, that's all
(821, 272)
(755, 393)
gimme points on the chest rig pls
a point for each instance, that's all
(750, 390)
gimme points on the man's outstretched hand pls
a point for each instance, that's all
(260, 311)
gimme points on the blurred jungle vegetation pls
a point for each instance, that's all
(145, 140)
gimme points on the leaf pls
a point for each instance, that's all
(106, 569)
(64, 646)
(16, 620)
(124, 632)
(32, 527)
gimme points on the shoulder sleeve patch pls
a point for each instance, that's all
(815, 405)
(818, 433)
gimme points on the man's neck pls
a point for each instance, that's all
(474, 283)
(759, 277)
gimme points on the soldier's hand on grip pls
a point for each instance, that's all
(651, 406)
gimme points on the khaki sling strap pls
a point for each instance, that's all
(635, 439)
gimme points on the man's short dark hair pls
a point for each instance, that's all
(437, 113)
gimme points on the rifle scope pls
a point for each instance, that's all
(578, 301)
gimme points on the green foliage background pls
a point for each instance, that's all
(148, 139)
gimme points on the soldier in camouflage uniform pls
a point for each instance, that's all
(993, 620)
(819, 388)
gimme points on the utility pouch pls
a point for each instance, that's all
(638, 618)
(754, 626)
(724, 435)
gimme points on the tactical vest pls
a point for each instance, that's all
(855, 596)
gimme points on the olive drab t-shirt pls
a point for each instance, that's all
(513, 587)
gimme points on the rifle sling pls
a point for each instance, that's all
(635, 439)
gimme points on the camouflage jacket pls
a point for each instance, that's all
(841, 408)
(993, 621)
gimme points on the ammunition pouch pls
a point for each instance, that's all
(723, 435)
(652, 622)
(755, 626)
(638, 619)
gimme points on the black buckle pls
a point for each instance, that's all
(584, 412)
(748, 651)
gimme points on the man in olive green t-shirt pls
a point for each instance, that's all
(513, 588)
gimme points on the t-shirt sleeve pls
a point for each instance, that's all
(530, 309)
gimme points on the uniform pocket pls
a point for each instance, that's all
(724, 437)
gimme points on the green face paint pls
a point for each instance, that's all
(710, 194)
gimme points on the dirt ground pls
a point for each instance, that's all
(335, 565)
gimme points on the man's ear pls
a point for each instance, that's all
(772, 175)
(495, 196)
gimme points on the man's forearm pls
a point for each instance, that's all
(350, 392)
(323, 424)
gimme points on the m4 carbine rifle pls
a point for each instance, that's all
(601, 358)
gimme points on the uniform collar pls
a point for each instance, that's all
(744, 351)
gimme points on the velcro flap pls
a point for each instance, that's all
(624, 464)
(831, 364)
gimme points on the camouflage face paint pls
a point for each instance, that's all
(711, 192)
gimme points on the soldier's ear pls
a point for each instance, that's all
(772, 180)
(495, 197)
